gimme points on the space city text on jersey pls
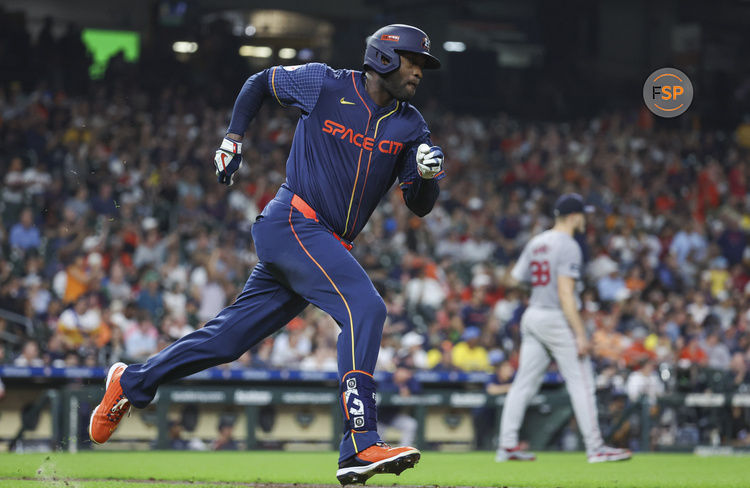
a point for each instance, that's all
(359, 140)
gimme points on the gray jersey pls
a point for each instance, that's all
(547, 256)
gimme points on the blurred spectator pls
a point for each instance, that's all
(717, 276)
(54, 354)
(740, 427)
(25, 235)
(689, 243)
(476, 312)
(225, 441)
(291, 345)
(717, 352)
(500, 382)
(115, 284)
(152, 251)
(468, 355)
(77, 279)
(611, 287)
(645, 382)
(403, 384)
(732, 242)
(29, 356)
(440, 359)
(321, 359)
(80, 324)
(423, 292)
(12, 191)
(693, 352)
(412, 343)
(149, 297)
(636, 352)
(738, 370)
(175, 440)
(506, 306)
(608, 344)
(141, 340)
(698, 309)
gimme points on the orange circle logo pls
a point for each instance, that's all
(668, 92)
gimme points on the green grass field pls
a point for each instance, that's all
(214, 469)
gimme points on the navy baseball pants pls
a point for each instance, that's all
(300, 261)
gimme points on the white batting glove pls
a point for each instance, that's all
(429, 161)
(228, 160)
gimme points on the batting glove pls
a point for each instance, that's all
(429, 161)
(228, 160)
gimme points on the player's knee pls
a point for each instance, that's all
(231, 353)
(375, 310)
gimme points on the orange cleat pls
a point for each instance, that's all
(107, 415)
(378, 458)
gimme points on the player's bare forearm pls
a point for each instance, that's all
(234, 137)
(566, 294)
(509, 280)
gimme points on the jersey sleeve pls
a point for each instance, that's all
(521, 271)
(571, 260)
(297, 86)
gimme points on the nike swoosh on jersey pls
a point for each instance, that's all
(344, 102)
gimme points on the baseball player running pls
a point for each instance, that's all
(356, 135)
(552, 327)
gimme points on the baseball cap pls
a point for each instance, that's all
(571, 203)
(149, 223)
(412, 339)
(471, 333)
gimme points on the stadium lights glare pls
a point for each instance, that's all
(287, 53)
(250, 30)
(185, 47)
(256, 51)
(454, 46)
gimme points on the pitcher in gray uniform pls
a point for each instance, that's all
(551, 327)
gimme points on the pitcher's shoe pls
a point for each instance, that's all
(606, 453)
(514, 454)
(378, 458)
(107, 415)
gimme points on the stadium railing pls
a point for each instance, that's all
(449, 401)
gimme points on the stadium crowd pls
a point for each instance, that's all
(116, 239)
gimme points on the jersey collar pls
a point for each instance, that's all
(374, 107)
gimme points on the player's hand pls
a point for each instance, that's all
(228, 160)
(582, 345)
(429, 161)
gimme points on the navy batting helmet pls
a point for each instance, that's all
(383, 46)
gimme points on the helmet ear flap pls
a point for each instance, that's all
(385, 60)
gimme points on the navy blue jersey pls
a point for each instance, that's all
(347, 151)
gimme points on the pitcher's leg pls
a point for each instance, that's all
(262, 308)
(579, 380)
(533, 362)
